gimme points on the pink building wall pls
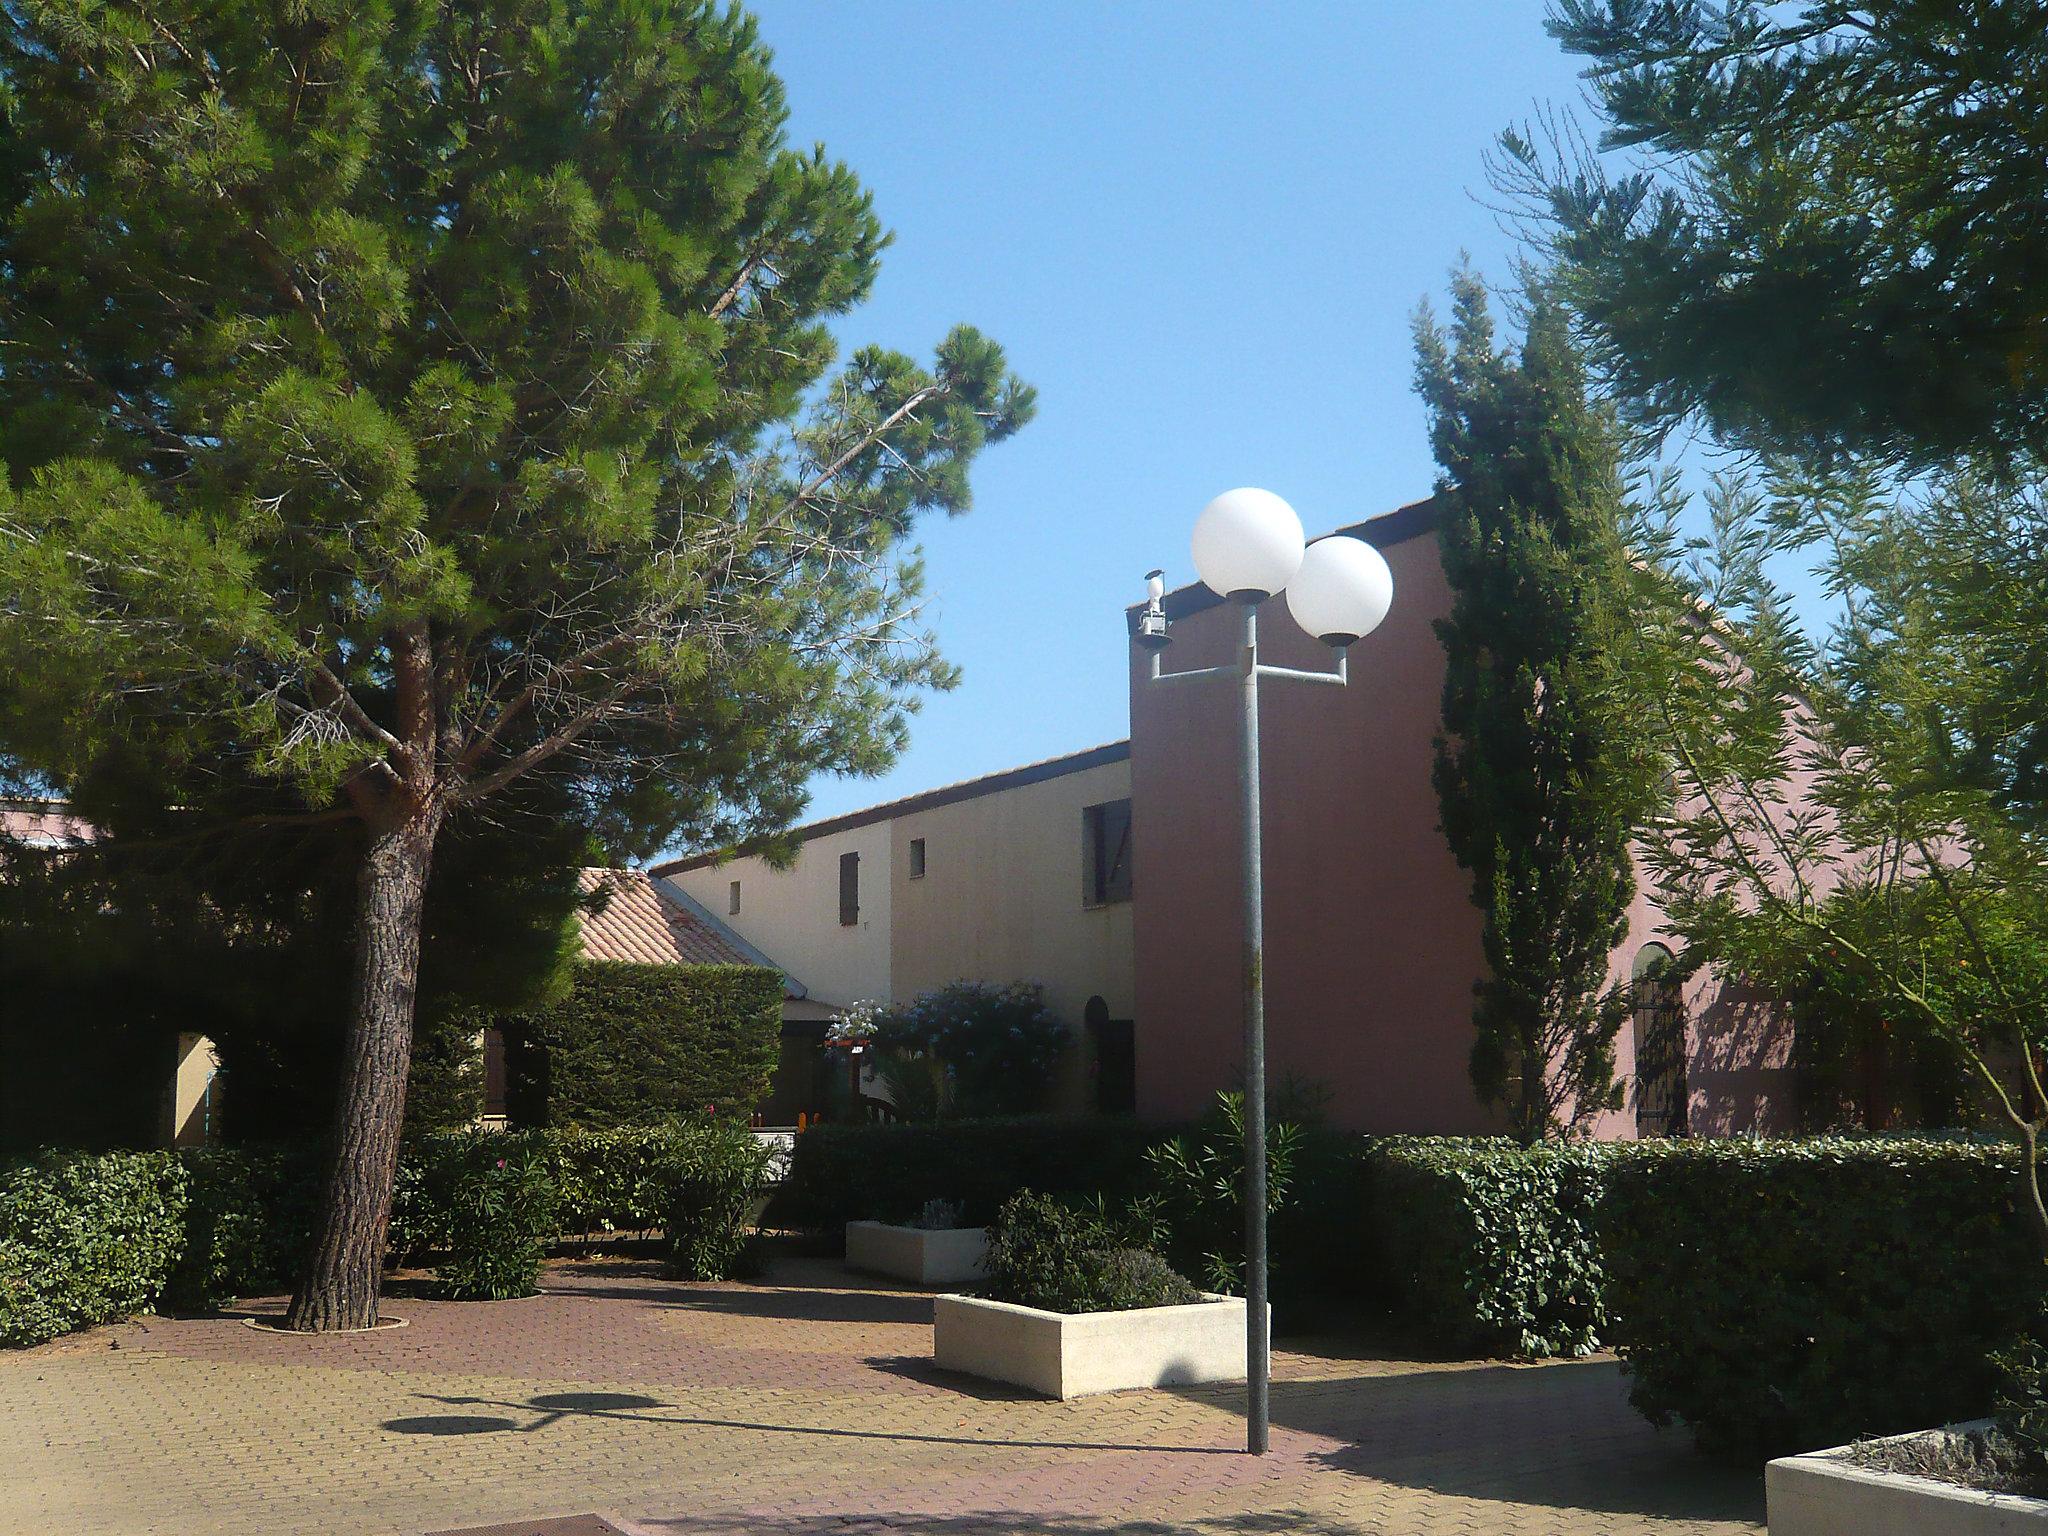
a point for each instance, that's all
(1372, 942)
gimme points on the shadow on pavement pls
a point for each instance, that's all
(1283, 1522)
(816, 1306)
(919, 1368)
(1559, 1435)
(552, 1408)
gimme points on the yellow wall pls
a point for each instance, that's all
(792, 915)
(1000, 901)
(1001, 895)
(197, 1063)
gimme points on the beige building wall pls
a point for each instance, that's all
(1001, 896)
(194, 1095)
(1001, 899)
(792, 915)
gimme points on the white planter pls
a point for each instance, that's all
(1070, 1354)
(945, 1256)
(1825, 1494)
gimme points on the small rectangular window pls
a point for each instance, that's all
(1106, 853)
(917, 858)
(732, 899)
(849, 889)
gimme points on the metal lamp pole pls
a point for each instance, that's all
(1248, 669)
(1248, 546)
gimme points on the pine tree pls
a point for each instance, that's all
(404, 406)
(1818, 227)
(1536, 788)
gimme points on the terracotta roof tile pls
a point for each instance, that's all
(640, 924)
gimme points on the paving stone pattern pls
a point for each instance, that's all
(804, 1404)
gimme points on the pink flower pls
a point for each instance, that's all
(501, 1162)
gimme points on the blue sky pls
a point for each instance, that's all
(1200, 230)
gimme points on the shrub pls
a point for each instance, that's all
(842, 1173)
(499, 1198)
(972, 1048)
(1194, 1204)
(85, 1239)
(1782, 1296)
(1490, 1244)
(613, 1181)
(640, 1044)
(248, 1221)
(710, 1181)
(694, 1180)
(1061, 1259)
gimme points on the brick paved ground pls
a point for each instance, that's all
(803, 1405)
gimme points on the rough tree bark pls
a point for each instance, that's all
(344, 1269)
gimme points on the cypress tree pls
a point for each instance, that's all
(1532, 777)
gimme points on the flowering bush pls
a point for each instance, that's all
(501, 1203)
(983, 1049)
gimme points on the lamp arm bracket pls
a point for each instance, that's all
(1159, 676)
(1340, 677)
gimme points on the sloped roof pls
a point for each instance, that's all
(643, 923)
(929, 799)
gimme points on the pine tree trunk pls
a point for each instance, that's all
(346, 1264)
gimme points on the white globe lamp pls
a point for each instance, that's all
(1342, 590)
(1247, 544)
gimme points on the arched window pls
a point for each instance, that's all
(1659, 1027)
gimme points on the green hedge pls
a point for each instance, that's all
(1488, 1244)
(1784, 1296)
(696, 1182)
(636, 1044)
(86, 1238)
(842, 1173)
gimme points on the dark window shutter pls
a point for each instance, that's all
(849, 889)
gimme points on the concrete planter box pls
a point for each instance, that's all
(924, 1256)
(1070, 1354)
(1825, 1494)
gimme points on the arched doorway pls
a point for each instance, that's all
(1659, 1025)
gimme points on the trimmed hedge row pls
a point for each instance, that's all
(1787, 1295)
(639, 1044)
(842, 1173)
(1489, 1244)
(88, 1238)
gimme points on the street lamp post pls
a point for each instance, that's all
(1248, 546)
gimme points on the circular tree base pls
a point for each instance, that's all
(273, 1325)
